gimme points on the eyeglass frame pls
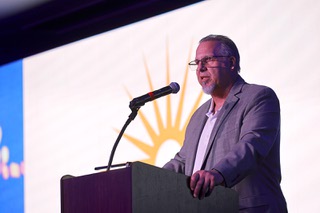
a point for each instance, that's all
(193, 65)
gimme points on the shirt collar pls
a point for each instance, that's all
(210, 111)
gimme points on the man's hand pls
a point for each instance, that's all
(202, 182)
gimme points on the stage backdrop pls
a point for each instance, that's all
(75, 99)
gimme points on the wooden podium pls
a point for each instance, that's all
(140, 188)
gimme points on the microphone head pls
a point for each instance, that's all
(175, 87)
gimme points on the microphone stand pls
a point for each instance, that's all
(134, 112)
(135, 105)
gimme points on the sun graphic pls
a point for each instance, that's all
(172, 129)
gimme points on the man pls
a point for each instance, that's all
(234, 138)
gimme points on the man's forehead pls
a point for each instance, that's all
(208, 47)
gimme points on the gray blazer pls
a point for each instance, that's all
(244, 146)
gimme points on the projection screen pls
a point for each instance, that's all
(76, 97)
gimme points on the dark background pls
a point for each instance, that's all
(37, 28)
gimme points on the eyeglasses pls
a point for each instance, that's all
(205, 61)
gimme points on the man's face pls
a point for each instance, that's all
(213, 73)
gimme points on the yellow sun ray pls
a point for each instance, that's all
(169, 113)
(155, 104)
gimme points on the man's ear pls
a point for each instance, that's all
(232, 62)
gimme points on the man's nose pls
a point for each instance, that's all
(202, 67)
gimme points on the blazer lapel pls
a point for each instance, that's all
(229, 104)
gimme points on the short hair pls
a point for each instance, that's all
(228, 46)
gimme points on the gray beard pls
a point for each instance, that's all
(208, 89)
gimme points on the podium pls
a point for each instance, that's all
(140, 188)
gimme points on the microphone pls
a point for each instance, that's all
(140, 101)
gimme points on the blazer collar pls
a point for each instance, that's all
(236, 88)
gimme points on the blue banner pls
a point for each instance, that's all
(11, 138)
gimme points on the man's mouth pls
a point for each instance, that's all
(204, 79)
